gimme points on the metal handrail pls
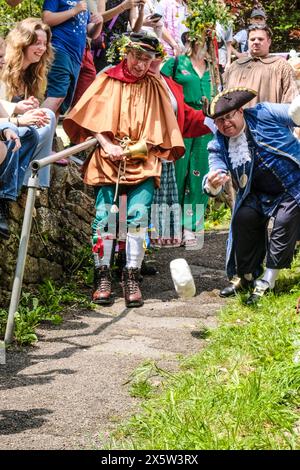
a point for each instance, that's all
(38, 164)
(33, 186)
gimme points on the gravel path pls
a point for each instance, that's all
(68, 390)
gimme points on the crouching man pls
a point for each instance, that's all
(258, 148)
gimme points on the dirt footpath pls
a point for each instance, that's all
(69, 389)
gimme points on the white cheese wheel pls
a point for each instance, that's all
(182, 278)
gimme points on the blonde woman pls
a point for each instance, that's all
(27, 60)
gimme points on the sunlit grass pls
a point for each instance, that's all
(241, 392)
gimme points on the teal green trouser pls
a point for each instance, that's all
(139, 200)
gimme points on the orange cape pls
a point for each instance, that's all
(141, 111)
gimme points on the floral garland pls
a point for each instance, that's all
(203, 17)
(201, 23)
(119, 48)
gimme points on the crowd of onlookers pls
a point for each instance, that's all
(48, 63)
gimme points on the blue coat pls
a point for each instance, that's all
(271, 130)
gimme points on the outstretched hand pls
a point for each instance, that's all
(217, 178)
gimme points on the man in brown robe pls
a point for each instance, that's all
(125, 102)
(271, 76)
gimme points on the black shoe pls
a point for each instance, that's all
(241, 285)
(4, 228)
(260, 288)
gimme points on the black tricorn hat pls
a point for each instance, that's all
(145, 41)
(226, 101)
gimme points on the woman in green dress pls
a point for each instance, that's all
(192, 72)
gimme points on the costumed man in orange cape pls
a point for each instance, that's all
(125, 105)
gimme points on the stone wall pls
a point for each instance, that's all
(60, 229)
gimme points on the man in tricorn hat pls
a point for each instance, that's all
(125, 105)
(257, 147)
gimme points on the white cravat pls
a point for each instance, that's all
(238, 150)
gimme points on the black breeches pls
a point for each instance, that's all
(251, 238)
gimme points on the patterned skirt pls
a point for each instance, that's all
(166, 230)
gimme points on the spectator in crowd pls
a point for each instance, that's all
(257, 147)
(174, 14)
(154, 14)
(192, 72)
(27, 60)
(118, 16)
(271, 76)
(114, 113)
(240, 39)
(88, 72)
(17, 149)
(224, 39)
(153, 21)
(70, 24)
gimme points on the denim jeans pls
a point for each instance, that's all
(13, 168)
(44, 149)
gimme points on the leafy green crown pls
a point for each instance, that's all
(119, 47)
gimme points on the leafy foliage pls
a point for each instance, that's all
(203, 16)
(217, 215)
(9, 16)
(47, 307)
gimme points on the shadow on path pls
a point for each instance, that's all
(15, 421)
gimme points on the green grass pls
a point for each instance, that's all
(46, 306)
(217, 216)
(241, 392)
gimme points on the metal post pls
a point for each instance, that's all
(33, 185)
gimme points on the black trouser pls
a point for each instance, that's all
(250, 237)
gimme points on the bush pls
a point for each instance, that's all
(9, 16)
